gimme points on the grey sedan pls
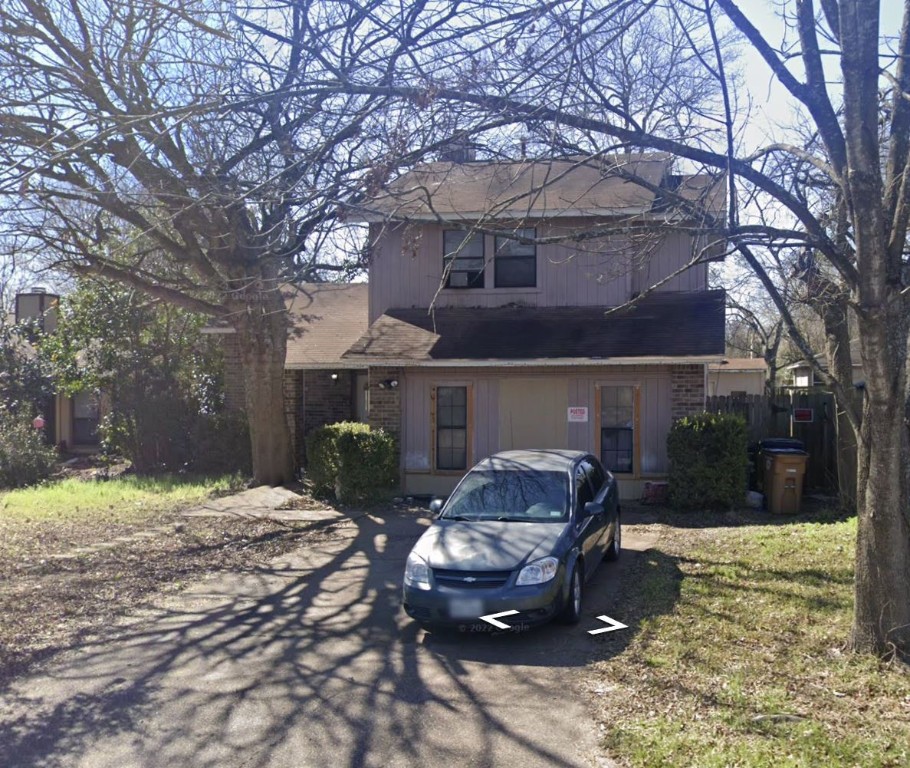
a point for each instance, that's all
(522, 531)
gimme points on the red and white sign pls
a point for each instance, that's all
(38, 422)
(803, 414)
(578, 413)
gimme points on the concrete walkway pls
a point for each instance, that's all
(260, 502)
(311, 662)
(263, 502)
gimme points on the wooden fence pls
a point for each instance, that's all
(806, 415)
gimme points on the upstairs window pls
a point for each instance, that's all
(462, 258)
(515, 263)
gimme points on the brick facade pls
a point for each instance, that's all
(293, 409)
(687, 390)
(327, 400)
(385, 400)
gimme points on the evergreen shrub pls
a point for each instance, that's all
(708, 461)
(352, 460)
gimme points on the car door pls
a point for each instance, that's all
(607, 493)
(588, 528)
(598, 481)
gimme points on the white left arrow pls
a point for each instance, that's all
(614, 625)
(490, 618)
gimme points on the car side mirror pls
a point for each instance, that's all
(593, 508)
(436, 506)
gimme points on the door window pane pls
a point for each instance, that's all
(86, 418)
(451, 427)
(617, 428)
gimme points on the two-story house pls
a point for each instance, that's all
(485, 324)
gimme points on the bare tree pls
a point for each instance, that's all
(156, 144)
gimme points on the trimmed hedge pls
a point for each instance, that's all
(351, 460)
(25, 458)
(708, 461)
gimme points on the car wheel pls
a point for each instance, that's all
(571, 614)
(616, 544)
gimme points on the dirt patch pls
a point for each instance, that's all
(49, 603)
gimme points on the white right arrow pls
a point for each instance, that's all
(614, 625)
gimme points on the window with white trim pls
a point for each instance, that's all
(462, 258)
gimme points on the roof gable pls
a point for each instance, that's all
(536, 189)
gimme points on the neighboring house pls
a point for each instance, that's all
(70, 422)
(737, 376)
(801, 374)
(518, 351)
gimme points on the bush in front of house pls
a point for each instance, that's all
(708, 461)
(351, 460)
(25, 458)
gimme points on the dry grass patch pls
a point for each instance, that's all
(739, 656)
(48, 602)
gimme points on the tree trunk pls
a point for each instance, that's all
(847, 453)
(262, 336)
(882, 588)
(833, 310)
(882, 585)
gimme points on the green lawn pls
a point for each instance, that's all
(739, 658)
(125, 499)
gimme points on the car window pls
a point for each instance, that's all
(583, 492)
(521, 495)
(595, 475)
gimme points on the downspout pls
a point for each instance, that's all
(704, 390)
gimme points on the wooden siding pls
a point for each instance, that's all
(654, 264)
(532, 412)
(494, 397)
(406, 269)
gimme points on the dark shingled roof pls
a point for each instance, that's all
(660, 325)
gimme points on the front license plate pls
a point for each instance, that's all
(465, 608)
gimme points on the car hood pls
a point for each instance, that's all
(490, 545)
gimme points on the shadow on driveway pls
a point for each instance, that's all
(312, 662)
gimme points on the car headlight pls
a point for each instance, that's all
(417, 572)
(538, 572)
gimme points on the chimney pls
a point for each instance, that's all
(37, 304)
(458, 151)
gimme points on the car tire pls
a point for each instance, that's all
(571, 614)
(616, 545)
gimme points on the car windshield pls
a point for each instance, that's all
(525, 496)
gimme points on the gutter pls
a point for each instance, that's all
(573, 362)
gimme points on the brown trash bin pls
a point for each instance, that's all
(784, 470)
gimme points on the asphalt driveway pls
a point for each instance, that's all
(312, 662)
